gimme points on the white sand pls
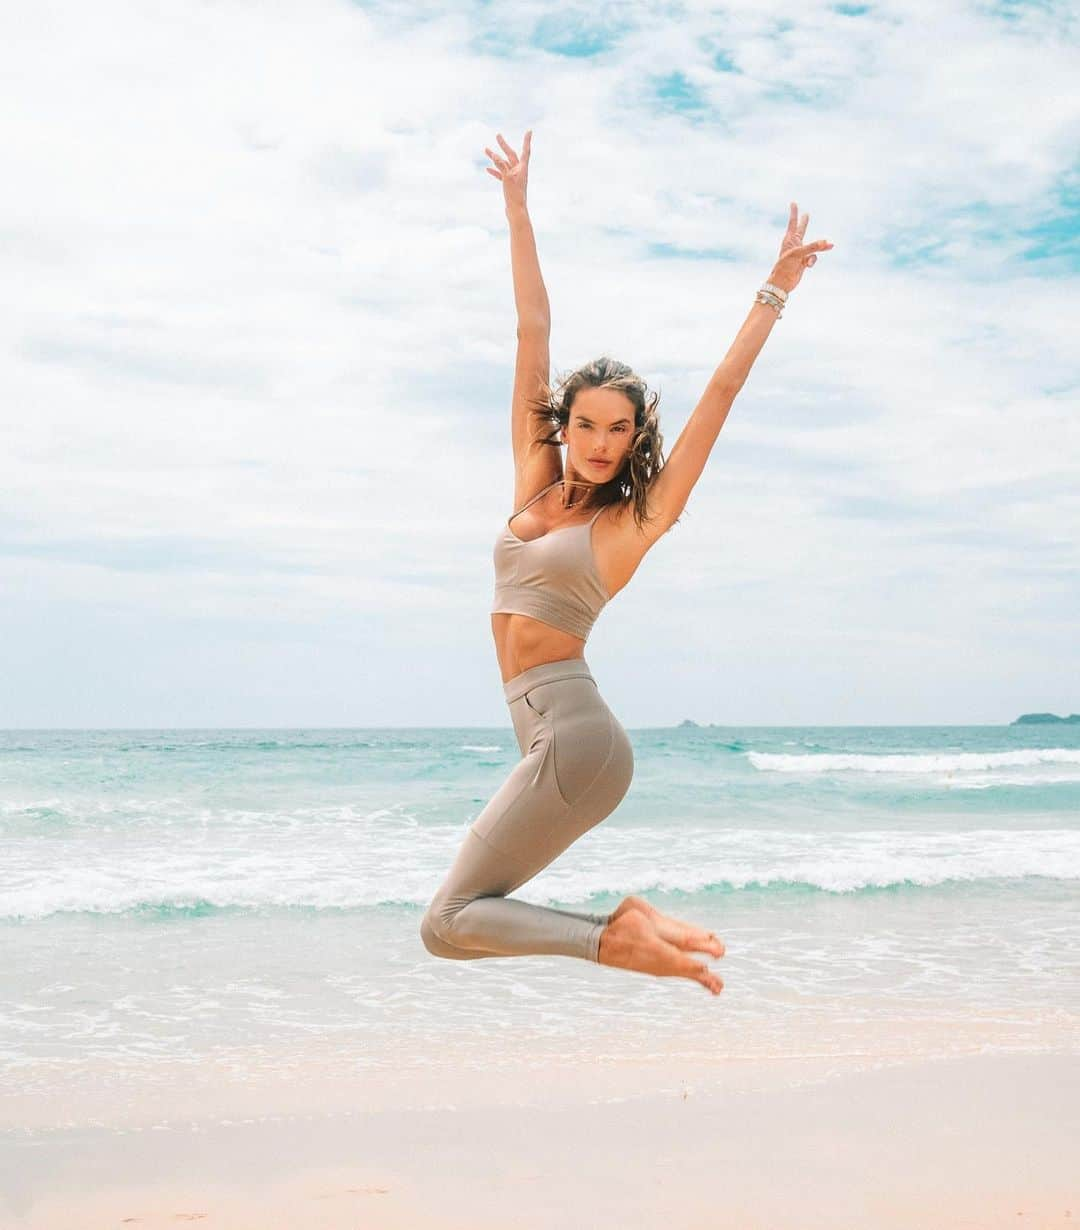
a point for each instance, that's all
(984, 1141)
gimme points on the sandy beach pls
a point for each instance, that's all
(219, 1009)
(977, 1141)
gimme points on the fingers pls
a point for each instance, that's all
(509, 152)
(511, 160)
(807, 249)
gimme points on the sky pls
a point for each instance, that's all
(259, 344)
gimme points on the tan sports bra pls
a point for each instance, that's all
(553, 578)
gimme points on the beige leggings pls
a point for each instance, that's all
(576, 766)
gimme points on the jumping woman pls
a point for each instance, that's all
(576, 538)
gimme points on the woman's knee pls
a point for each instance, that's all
(435, 926)
(437, 932)
(433, 941)
(447, 932)
(441, 927)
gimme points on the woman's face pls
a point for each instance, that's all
(598, 435)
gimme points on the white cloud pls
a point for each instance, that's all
(260, 347)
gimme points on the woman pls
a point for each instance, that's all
(575, 540)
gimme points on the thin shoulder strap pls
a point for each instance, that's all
(536, 497)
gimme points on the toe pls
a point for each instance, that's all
(700, 941)
(698, 970)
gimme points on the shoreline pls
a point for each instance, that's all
(980, 1140)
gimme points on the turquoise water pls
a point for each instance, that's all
(173, 898)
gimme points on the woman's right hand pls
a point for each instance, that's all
(512, 171)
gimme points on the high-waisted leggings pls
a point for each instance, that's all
(576, 765)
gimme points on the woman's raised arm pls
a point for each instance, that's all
(672, 487)
(530, 295)
(533, 470)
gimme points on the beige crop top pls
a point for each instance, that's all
(553, 578)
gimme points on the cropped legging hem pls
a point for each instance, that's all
(577, 764)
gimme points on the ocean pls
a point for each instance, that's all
(188, 911)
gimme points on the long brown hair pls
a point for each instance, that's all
(645, 459)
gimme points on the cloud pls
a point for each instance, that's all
(261, 349)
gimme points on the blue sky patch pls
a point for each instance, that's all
(678, 93)
(1056, 240)
(560, 36)
(672, 251)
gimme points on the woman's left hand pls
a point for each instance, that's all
(795, 256)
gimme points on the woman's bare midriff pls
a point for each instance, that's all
(522, 642)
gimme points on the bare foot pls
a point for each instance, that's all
(632, 942)
(681, 934)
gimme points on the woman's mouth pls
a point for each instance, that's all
(600, 463)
